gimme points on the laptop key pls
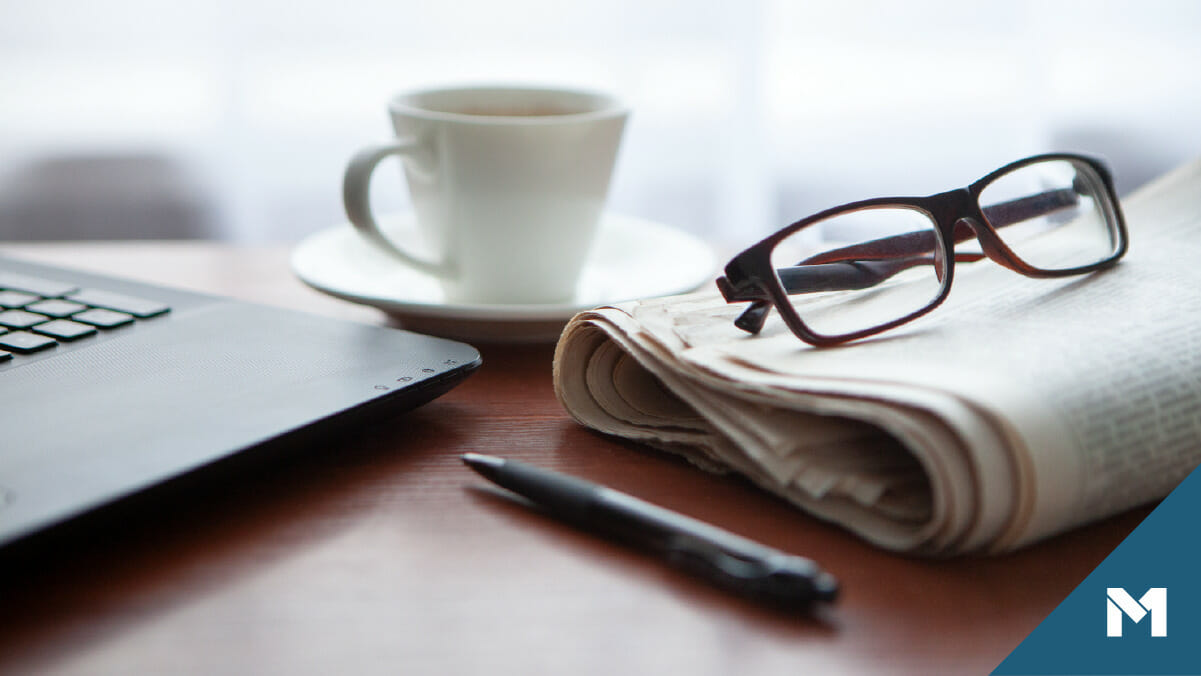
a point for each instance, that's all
(25, 342)
(138, 307)
(5, 356)
(43, 287)
(64, 329)
(56, 307)
(105, 319)
(16, 299)
(20, 319)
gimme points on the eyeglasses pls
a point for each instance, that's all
(867, 267)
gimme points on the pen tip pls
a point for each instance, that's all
(479, 461)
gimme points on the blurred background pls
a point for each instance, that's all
(233, 119)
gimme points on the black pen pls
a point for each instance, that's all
(734, 562)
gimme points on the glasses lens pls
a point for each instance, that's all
(1054, 215)
(861, 270)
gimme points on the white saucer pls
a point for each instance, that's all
(631, 258)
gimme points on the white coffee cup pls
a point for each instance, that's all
(508, 185)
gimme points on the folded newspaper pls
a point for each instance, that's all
(1018, 409)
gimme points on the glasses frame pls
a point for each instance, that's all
(957, 216)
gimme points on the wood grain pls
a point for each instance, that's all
(380, 552)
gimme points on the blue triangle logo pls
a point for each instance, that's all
(1139, 612)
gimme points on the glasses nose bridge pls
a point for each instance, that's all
(960, 218)
(954, 206)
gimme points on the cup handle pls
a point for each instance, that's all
(356, 186)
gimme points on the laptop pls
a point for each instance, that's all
(110, 387)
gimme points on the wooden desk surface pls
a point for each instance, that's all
(382, 555)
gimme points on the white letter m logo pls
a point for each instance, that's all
(1153, 603)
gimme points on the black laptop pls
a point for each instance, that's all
(109, 387)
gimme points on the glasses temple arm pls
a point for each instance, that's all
(853, 275)
(1021, 209)
(918, 243)
(841, 276)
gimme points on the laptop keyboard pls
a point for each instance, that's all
(37, 314)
